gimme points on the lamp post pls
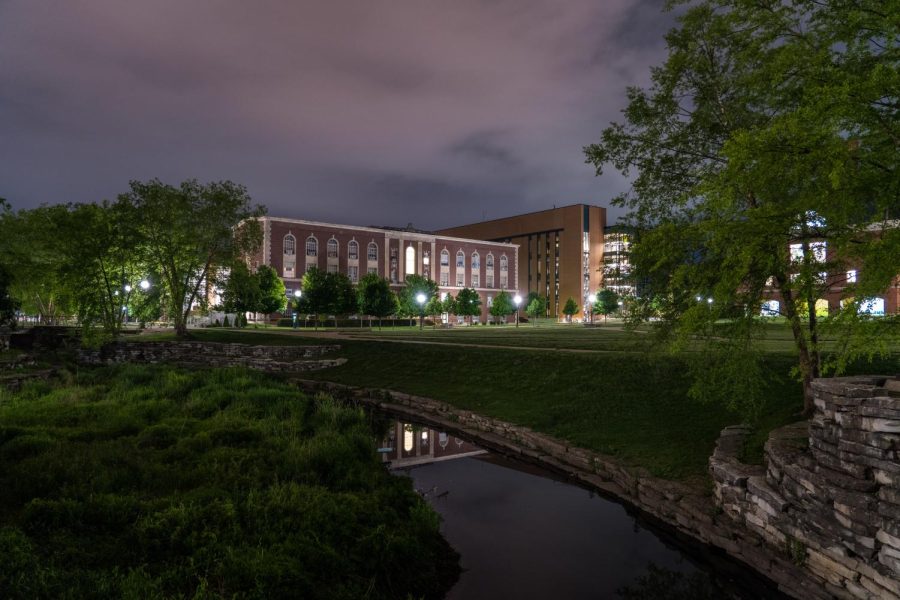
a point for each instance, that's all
(297, 294)
(591, 299)
(518, 301)
(420, 298)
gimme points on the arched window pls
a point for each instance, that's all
(332, 248)
(489, 261)
(290, 245)
(445, 258)
(476, 261)
(460, 260)
(353, 250)
(312, 246)
(410, 260)
(504, 264)
(373, 251)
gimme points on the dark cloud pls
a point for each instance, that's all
(388, 111)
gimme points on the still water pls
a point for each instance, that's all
(523, 533)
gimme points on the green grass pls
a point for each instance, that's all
(155, 482)
(623, 399)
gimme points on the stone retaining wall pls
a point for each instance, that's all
(830, 492)
(208, 354)
(683, 509)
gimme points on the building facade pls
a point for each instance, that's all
(293, 246)
(560, 250)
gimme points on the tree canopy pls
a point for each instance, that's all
(191, 231)
(607, 302)
(502, 306)
(468, 303)
(415, 285)
(771, 128)
(570, 308)
(374, 296)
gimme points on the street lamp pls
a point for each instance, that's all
(420, 298)
(518, 301)
(297, 294)
(591, 299)
(145, 285)
(128, 288)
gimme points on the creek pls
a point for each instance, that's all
(524, 532)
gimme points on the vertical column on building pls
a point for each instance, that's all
(387, 257)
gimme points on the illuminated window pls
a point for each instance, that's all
(410, 260)
(771, 308)
(312, 246)
(290, 245)
(332, 248)
(851, 276)
(872, 306)
(353, 250)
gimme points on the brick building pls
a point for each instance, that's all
(561, 250)
(293, 246)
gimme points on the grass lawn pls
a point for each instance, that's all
(624, 400)
(156, 482)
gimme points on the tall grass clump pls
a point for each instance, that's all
(157, 482)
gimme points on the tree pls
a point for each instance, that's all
(769, 125)
(191, 231)
(434, 309)
(502, 306)
(535, 308)
(570, 308)
(468, 303)
(415, 285)
(344, 295)
(375, 298)
(449, 305)
(32, 244)
(271, 291)
(607, 303)
(241, 292)
(8, 304)
(317, 297)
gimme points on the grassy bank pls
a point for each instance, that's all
(154, 482)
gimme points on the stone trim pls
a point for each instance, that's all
(213, 354)
(670, 503)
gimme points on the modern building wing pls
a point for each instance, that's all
(293, 246)
(561, 250)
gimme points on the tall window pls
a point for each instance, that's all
(353, 250)
(290, 245)
(504, 272)
(410, 266)
(476, 261)
(504, 264)
(460, 260)
(332, 248)
(476, 279)
(312, 246)
(489, 261)
(445, 278)
(373, 251)
(353, 273)
(460, 279)
(445, 258)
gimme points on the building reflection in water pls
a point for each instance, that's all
(408, 445)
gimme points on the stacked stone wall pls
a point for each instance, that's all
(208, 354)
(829, 495)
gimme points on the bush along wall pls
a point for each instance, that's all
(150, 481)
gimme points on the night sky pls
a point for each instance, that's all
(380, 112)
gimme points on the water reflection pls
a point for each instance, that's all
(406, 445)
(523, 533)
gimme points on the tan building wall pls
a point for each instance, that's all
(560, 250)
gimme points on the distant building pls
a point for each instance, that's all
(561, 250)
(617, 240)
(408, 445)
(293, 246)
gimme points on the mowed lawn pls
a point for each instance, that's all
(614, 394)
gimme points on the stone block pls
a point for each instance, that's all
(759, 487)
(862, 449)
(889, 510)
(880, 425)
(888, 538)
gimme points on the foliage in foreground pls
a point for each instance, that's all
(155, 482)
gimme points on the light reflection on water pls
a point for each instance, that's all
(523, 533)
